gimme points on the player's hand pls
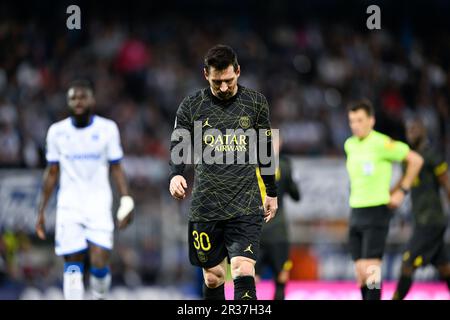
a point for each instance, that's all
(40, 226)
(125, 211)
(270, 208)
(396, 200)
(178, 187)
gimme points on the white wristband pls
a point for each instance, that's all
(126, 206)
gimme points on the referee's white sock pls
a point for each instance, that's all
(100, 281)
(73, 286)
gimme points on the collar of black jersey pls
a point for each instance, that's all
(224, 102)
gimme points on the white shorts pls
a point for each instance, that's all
(75, 231)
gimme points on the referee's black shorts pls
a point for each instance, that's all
(368, 232)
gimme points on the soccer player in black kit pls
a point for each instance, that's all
(274, 250)
(226, 212)
(427, 244)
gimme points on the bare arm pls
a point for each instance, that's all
(414, 163)
(119, 179)
(396, 185)
(125, 211)
(51, 175)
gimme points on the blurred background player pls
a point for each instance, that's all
(427, 243)
(369, 164)
(226, 212)
(81, 150)
(274, 250)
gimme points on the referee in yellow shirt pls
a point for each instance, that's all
(370, 155)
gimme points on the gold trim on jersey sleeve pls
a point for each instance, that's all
(440, 169)
(262, 186)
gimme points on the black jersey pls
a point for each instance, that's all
(277, 230)
(224, 190)
(425, 196)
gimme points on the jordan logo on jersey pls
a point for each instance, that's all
(246, 295)
(206, 124)
(249, 249)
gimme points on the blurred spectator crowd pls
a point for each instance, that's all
(142, 71)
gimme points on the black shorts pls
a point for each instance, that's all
(274, 255)
(426, 246)
(211, 242)
(367, 242)
(368, 232)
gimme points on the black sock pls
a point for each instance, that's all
(403, 286)
(214, 293)
(279, 290)
(447, 279)
(364, 292)
(244, 288)
(374, 293)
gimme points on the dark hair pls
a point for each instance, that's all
(221, 57)
(81, 83)
(363, 104)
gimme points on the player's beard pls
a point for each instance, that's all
(82, 120)
(225, 95)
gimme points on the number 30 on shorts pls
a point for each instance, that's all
(201, 240)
